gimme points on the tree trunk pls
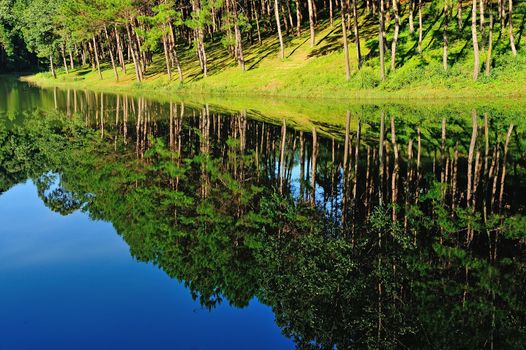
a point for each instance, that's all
(71, 64)
(446, 38)
(111, 54)
(345, 45)
(52, 66)
(482, 25)
(510, 24)
(381, 38)
(411, 16)
(396, 32)
(173, 52)
(311, 22)
(167, 58)
(330, 11)
(64, 59)
(476, 68)
(420, 26)
(490, 43)
(356, 33)
(239, 42)
(131, 46)
(96, 53)
(256, 15)
(278, 25)
(501, 13)
(119, 50)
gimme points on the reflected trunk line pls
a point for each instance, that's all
(117, 128)
(356, 162)
(409, 181)
(470, 157)
(314, 160)
(476, 177)
(302, 167)
(495, 177)
(102, 115)
(381, 160)
(281, 168)
(443, 152)
(68, 102)
(125, 123)
(394, 180)
(454, 180)
(504, 161)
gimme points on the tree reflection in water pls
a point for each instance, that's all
(395, 232)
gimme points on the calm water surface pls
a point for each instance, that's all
(129, 223)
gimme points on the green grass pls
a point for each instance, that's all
(320, 71)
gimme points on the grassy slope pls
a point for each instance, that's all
(320, 72)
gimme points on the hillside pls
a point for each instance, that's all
(320, 70)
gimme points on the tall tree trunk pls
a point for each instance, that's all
(446, 38)
(131, 46)
(239, 42)
(64, 59)
(111, 55)
(356, 33)
(167, 57)
(173, 52)
(510, 25)
(501, 13)
(256, 16)
(381, 43)
(199, 33)
(476, 53)
(298, 18)
(96, 53)
(420, 26)
(119, 50)
(411, 16)
(396, 32)
(330, 11)
(278, 25)
(482, 19)
(345, 45)
(52, 66)
(71, 64)
(311, 21)
(490, 43)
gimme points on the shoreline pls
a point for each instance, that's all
(158, 86)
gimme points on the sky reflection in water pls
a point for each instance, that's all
(70, 283)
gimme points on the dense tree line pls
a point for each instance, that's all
(75, 32)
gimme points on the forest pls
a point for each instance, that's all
(365, 43)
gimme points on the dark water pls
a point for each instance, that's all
(133, 223)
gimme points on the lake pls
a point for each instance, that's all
(149, 222)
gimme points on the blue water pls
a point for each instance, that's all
(67, 282)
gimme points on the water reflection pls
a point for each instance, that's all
(393, 231)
